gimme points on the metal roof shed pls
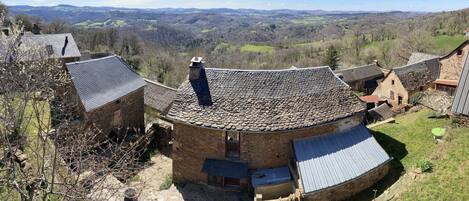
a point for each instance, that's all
(329, 160)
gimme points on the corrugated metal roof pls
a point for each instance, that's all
(332, 159)
(271, 176)
(461, 100)
(225, 168)
(103, 80)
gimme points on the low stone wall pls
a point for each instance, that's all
(461, 119)
(346, 190)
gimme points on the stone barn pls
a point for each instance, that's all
(401, 83)
(273, 132)
(363, 79)
(460, 107)
(108, 92)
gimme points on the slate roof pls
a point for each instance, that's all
(264, 100)
(360, 73)
(328, 160)
(461, 99)
(101, 81)
(159, 96)
(419, 74)
(57, 41)
(462, 45)
(417, 57)
(381, 112)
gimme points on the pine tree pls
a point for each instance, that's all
(331, 57)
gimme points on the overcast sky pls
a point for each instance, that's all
(357, 5)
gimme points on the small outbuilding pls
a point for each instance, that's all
(108, 93)
(243, 129)
(362, 78)
(159, 97)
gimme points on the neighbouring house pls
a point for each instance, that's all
(380, 113)
(363, 78)
(108, 92)
(243, 129)
(460, 107)
(59, 46)
(451, 68)
(401, 83)
(159, 97)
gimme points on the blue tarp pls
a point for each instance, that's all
(273, 176)
(226, 168)
(332, 159)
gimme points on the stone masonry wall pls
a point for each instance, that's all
(192, 145)
(267, 150)
(461, 119)
(348, 189)
(132, 112)
(385, 87)
(452, 66)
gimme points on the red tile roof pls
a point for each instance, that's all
(371, 99)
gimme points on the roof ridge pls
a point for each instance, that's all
(268, 70)
(355, 67)
(159, 84)
(92, 60)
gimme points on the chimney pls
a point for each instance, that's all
(65, 45)
(197, 64)
(376, 62)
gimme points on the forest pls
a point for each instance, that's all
(160, 43)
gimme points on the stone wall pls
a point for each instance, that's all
(461, 119)
(132, 112)
(267, 150)
(452, 66)
(350, 188)
(192, 145)
(385, 87)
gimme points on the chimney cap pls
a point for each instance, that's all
(197, 60)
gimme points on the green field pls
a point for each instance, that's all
(446, 43)
(257, 48)
(310, 20)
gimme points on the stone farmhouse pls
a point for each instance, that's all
(401, 83)
(108, 92)
(460, 107)
(363, 78)
(450, 69)
(273, 132)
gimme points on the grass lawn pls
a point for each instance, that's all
(409, 140)
(257, 48)
(447, 43)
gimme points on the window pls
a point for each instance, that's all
(421, 88)
(460, 52)
(399, 100)
(232, 144)
(117, 119)
(391, 95)
(392, 82)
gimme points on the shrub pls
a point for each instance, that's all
(424, 165)
(415, 99)
(168, 181)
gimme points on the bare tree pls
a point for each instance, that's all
(67, 161)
